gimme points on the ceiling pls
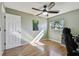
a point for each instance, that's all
(63, 7)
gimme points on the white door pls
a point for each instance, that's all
(13, 31)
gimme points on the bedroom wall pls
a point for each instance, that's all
(71, 20)
(26, 22)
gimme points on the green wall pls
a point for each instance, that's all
(71, 20)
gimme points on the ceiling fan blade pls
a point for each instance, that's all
(36, 9)
(52, 4)
(53, 11)
(39, 14)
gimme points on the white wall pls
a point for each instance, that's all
(26, 22)
(71, 20)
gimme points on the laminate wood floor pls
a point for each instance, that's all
(50, 48)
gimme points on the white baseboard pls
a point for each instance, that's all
(1, 52)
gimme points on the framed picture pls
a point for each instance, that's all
(35, 25)
(57, 24)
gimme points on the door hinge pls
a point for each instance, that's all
(4, 17)
(0, 28)
(4, 30)
(4, 43)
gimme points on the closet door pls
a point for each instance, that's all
(13, 31)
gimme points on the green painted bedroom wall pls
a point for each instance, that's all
(71, 20)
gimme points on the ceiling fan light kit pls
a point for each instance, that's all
(45, 13)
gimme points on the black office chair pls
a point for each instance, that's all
(70, 43)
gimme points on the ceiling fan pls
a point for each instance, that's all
(46, 9)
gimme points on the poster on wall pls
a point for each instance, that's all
(35, 25)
